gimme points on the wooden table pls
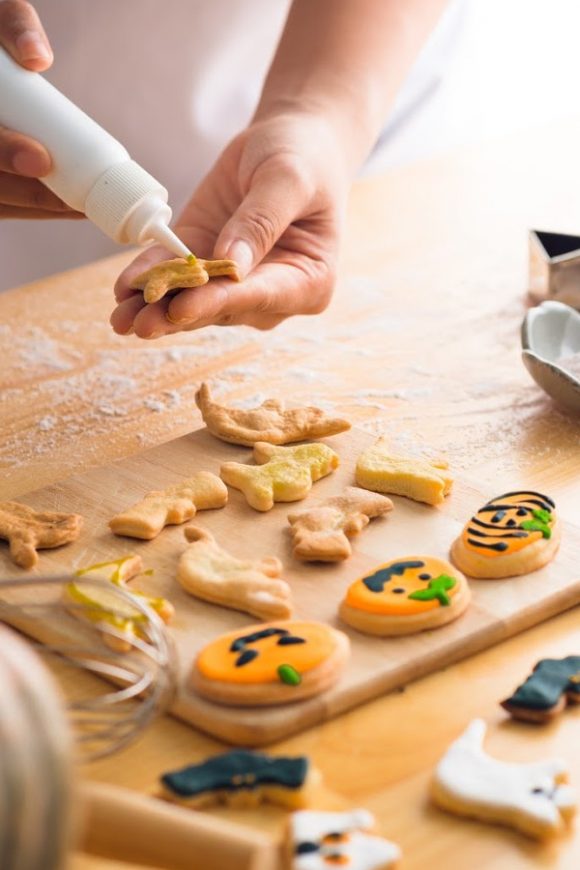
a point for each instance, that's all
(422, 342)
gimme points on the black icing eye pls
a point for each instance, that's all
(521, 512)
(398, 590)
(306, 847)
(511, 523)
(537, 790)
(424, 576)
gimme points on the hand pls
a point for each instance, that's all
(274, 203)
(23, 160)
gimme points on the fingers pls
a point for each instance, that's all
(14, 212)
(23, 36)
(278, 195)
(23, 156)
(29, 193)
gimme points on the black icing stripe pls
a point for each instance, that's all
(478, 534)
(526, 492)
(490, 508)
(500, 547)
(475, 522)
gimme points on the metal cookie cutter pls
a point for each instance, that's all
(550, 339)
(554, 267)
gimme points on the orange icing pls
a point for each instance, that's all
(391, 603)
(217, 662)
(498, 532)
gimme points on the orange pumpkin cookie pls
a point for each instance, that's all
(406, 596)
(272, 663)
(515, 533)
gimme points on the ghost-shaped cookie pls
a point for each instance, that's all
(532, 797)
(319, 840)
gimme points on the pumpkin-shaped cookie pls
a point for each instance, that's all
(272, 663)
(405, 596)
(515, 533)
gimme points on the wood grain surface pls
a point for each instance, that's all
(422, 342)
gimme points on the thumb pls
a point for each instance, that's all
(23, 36)
(277, 197)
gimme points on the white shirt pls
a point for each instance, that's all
(174, 82)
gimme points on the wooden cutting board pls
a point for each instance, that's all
(499, 609)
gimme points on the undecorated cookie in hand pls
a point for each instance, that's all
(270, 422)
(553, 684)
(171, 506)
(515, 533)
(319, 840)
(242, 778)
(282, 473)
(405, 596)
(252, 585)
(180, 274)
(321, 534)
(119, 623)
(28, 530)
(424, 480)
(276, 663)
(533, 797)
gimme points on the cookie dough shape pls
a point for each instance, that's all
(424, 480)
(252, 585)
(322, 533)
(121, 625)
(319, 840)
(281, 473)
(515, 533)
(28, 530)
(171, 506)
(272, 663)
(533, 797)
(552, 685)
(180, 274)
(270, 422)
(405, 596)
(242, 779)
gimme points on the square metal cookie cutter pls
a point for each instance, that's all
(554, 267)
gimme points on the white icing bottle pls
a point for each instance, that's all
(91, 171)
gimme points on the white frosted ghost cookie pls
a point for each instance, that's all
(405, 596)
(515, 533)
(319, 840)
(533, 797)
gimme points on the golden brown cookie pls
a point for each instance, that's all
(272, 663)
(27, 530)
(321, 534)
(171, 506)
(179, 274)
(515, 533)
(252, 585)
(424, 480)
(270, 422)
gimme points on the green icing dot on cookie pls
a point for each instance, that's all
(289, 675)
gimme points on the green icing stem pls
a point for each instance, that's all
(437, 589)
(289, 675)
(540, 523)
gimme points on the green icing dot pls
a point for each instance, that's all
(191, 259)
(289, 675)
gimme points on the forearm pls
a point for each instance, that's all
(346, 60)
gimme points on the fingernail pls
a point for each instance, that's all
(241, 252)
(31, 163)
(31, 46)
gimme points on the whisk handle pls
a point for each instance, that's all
(132, 827)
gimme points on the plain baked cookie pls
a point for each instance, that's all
(515, 533)
(317, 840)
(533, 797)
(180, 274)
(424, 480)
(272, 663)
(28, 530)
(406, 596)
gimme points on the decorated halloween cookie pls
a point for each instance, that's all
(553, 684)
(271, 421)
(424, 480)
(281, 473)
(322, 533)
(209, 572)
(405, 596)
(320, 840)
(533, 797)
(515, 533)
(242, 778)
(119, 623)
(271, 663)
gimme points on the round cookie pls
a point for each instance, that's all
(515, 533)
(270, 663)
(405, 596)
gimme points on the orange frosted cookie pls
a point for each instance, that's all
(272, 663)
(515, 533)
(406, 596)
